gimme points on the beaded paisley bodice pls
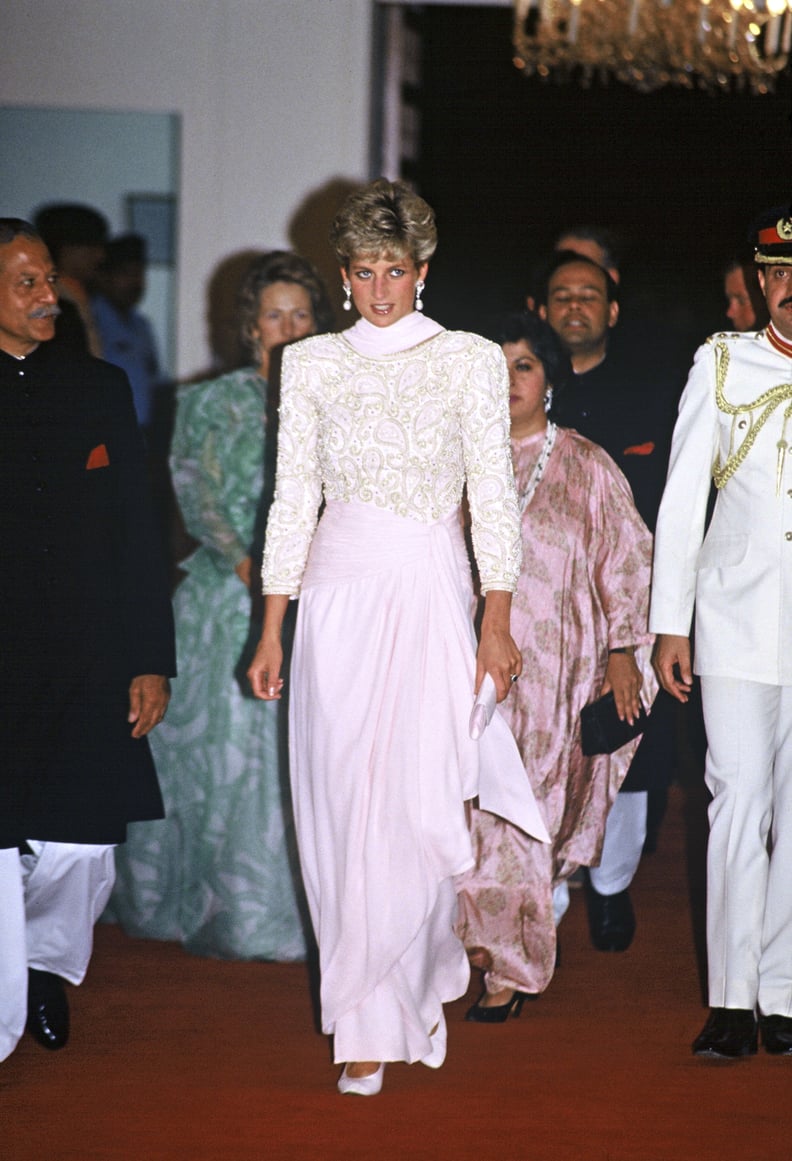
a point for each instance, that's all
(404, 432)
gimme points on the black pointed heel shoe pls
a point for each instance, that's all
(499, 1013)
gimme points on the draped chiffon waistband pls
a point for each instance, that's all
(354, 540)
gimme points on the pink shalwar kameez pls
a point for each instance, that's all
(583, 590)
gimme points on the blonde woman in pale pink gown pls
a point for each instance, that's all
(580, 618)
(386, 422)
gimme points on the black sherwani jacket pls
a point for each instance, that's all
(84, 603)
(629, 410)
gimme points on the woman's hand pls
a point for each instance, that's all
(497, 653)
(500, 658)
(264, 671)
(624, 677)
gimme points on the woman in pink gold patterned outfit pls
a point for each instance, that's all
(579, 617)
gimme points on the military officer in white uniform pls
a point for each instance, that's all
(735, 428)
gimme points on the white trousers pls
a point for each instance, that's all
(625, 835)
(749, 855)
(49, 903)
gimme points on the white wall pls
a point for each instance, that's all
(99, 158)
(273, 95)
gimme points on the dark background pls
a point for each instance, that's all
(508, 161)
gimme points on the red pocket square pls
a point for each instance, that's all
(639, 449)
(98, 458)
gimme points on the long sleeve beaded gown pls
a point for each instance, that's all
(386, 425)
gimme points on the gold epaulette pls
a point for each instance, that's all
(768, 401)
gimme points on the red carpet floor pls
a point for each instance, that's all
(173, 1057)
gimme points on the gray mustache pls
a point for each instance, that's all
(45, 312)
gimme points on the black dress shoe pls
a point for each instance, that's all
(611, 920)
(728, 1033)
(498, 1013)
(48, 1009)
(776, 1034)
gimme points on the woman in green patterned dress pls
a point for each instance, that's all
(220, 873)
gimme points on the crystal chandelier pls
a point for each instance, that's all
(706, 44)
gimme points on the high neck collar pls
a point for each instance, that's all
(407, 332)
(593, 367)
(778, 341)
(19, 358)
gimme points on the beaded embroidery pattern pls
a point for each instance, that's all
(405, 432)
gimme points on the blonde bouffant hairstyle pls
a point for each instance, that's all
(384, 218)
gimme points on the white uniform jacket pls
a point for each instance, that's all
(735, 418)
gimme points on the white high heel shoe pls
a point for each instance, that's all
(438, 1040)
(361, 1085)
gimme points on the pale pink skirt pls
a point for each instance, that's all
(381, 765)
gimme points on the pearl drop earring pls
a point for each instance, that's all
(548, 399)
(419, 289)
(347, 304)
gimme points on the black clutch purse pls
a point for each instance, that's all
(601, 730)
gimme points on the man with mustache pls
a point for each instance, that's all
(86, 643)
(735, 429)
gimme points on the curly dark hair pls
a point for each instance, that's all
(280, 266)
(543, 341)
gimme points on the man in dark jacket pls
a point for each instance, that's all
(86, 643)
(627, 409)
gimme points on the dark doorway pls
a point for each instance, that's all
(508, 162)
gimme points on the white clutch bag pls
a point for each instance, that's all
(483, 707)
(504, 788)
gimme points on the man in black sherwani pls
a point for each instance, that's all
(627, 408)
(86, 643)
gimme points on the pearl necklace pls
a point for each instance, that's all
(525, 497)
